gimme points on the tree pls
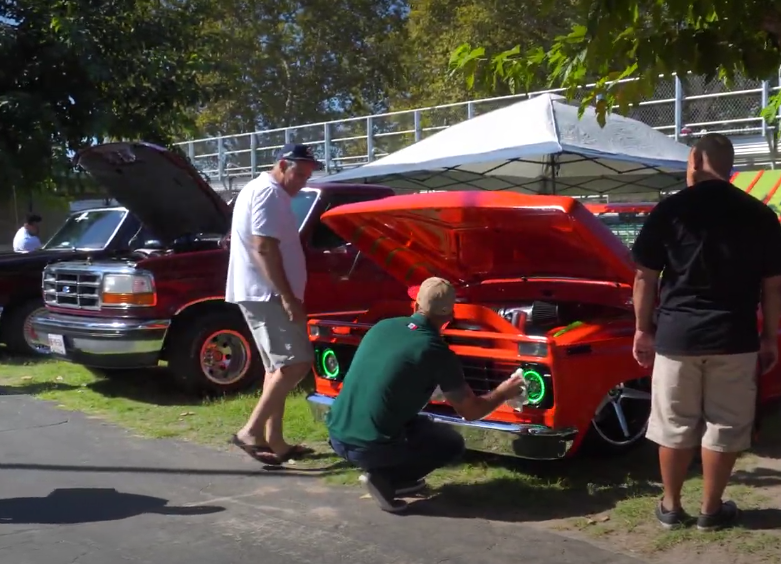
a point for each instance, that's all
(613, 40)
(73, 72)
(437, 27)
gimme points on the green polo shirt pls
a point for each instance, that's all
(398, 365)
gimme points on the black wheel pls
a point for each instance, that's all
(215, 354)
(621, 419)
(18, 333)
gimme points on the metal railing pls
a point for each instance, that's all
(679, 109)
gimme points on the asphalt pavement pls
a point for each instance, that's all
(75, 490)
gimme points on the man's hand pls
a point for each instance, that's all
(768, 353)
(294, 309)
(644, 349)
(512, 387)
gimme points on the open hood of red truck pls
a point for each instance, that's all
(471, 237)
(159, 187)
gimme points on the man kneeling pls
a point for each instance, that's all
(375, 424)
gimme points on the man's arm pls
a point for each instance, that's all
(644, 298)
(460, 395)
(264, 252)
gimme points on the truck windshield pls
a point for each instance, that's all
(91, 229)
(626, 225)
(302, 203)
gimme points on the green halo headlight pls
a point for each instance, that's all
(535, 387)
(329, 364)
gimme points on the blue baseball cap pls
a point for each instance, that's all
(298, 152)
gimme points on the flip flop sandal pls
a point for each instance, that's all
(272, 459)
(252, 450)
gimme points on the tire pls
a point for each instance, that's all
(605, 437)
(16, 331)
(215, 354)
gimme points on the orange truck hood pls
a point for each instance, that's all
(470, 237)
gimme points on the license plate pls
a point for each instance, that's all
(57, 344)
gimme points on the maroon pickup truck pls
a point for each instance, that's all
(166, 303)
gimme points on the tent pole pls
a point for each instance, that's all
(553, 174)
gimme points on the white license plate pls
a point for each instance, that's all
(57, 344)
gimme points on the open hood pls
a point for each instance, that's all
(159, 187)
(471, 237)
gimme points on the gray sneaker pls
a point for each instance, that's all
(727, 516)
(675, 519)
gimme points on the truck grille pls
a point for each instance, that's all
(73, 289)
(484, 375)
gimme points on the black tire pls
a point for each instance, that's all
(186, 348)
(14, 323)
(596, 444)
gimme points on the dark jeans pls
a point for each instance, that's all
(424, 447)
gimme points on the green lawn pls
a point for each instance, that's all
(608, 500)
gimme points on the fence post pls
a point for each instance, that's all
(220, 158)
(417, 126)
(253, 154)
(369, 139)
(288, 135)
(470, 110)
(191, 151)
(679, 98)
(327, 147)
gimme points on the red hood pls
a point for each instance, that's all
(470, 237)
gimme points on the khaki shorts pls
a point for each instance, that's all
(706, 401)
(280, 341)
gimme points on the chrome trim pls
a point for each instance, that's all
(107, 328)
(535, 442)
(96, 336)
(312, 207)
(198, 301)
(85, 268)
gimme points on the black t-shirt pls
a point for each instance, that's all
(713, 243)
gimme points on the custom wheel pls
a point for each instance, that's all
(18, 333)
(621, 418)
(215, 354)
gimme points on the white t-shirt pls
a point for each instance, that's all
(24, 242)
(263, 208)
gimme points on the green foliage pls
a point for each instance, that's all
(614, 40)
(437, 27)
(73, 72)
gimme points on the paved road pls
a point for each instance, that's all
(76, 491)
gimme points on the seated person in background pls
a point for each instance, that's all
(375, 423)
(26, 239)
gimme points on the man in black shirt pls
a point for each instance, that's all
(718, 252)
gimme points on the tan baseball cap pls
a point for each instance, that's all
(436, 296)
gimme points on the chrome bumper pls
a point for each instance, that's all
(535, 442)
(101, 342)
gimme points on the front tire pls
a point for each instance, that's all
(18, 333)
(215, 355)
(621, 419)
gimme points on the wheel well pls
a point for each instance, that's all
(190, 315)
(14, 304)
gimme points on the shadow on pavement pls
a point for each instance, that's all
(89, 505)
(762, 519)
(262, 470)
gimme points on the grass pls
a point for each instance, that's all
(609, 500)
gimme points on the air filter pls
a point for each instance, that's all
(544, 314)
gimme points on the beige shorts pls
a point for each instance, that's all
(706, 401)
(280, 341)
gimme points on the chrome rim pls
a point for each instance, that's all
(621, 418)
(225, 357)
(30, 337)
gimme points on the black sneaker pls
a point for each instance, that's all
(410, 488)
(724, 518)
(674, 519)
(383, 493)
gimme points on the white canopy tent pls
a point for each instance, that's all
(535, 146)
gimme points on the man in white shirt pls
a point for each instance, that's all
(26, 239)
(267, 278)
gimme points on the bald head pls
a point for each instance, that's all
(711, 157)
